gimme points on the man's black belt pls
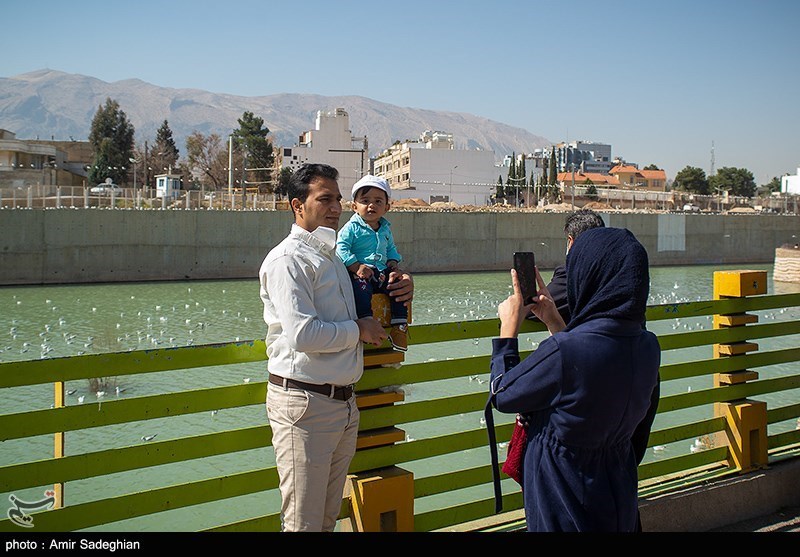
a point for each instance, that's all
(330, 391)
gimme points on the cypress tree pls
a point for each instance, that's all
(111, 138)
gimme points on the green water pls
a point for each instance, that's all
(54, 321)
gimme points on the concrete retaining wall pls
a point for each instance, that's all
(103, 245)
(724, 502)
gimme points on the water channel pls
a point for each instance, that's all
(55, 321)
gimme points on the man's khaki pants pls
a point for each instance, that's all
(314, 438)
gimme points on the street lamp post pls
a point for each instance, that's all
(573, 185)
(134, 162)
(450, 197)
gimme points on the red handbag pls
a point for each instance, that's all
(516, 452)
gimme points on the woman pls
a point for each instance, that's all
(587, 391)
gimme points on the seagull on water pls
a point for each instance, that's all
(148, 437)
(71, 392)
(80, 399)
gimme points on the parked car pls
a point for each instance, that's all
(106, 189)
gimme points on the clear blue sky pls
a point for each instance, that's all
(659, 81)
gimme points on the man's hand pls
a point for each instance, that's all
(401, 286)
(371, 331)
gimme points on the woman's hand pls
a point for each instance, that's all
(545, 308)
(512, 310)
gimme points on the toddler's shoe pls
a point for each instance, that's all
(398, 336)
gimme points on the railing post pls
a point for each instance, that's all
(380, 500)
(746, 420)
(58, 442)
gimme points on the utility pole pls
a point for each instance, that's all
(230, 165)
(146, 173)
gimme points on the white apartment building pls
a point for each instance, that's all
(791, 184)
(331, 142)
(431, 169)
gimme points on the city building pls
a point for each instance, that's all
(624, 176)
(331, 142)
(791, 184)
(585, 155)
(630, 176)
(28, 162)
(432, 170)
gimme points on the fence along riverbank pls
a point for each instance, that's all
(63, 246)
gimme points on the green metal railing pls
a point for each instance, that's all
(452, 475)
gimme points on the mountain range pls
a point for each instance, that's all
(49, 104)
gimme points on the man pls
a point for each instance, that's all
(577, 223)
(314, 344)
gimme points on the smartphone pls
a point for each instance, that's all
(525, 265)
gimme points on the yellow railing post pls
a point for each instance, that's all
(746, 420)
(381, 500)
(58, 444)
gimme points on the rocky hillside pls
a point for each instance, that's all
(52, 104)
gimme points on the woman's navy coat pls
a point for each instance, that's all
(586, 391)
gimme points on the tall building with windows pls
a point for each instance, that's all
(585, 155)
(331, 142)
(432, 170)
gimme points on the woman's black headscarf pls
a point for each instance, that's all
(607, 276)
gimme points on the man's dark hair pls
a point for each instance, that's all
(297, 188)
(580, 221)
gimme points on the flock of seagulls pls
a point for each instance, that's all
(63, 332)
(186, 323)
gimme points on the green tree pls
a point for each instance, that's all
(773, 185)
(500, 193)
(651, 167)
(207, 157)
(111, 139)
(164, 154)
(738, 181)
(591, 190)
(250, 140)
(512, 171)
(283, 181)
(691, 179)
(553, 173)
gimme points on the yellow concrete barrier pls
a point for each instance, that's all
(381, 501)
(745, 419)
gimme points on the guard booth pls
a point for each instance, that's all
(168, 185)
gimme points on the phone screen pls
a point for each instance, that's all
(525, 265)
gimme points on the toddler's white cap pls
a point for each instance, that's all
(370, 181)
